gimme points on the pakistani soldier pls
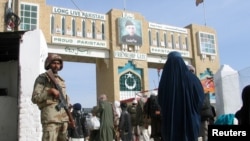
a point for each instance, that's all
(54, 121)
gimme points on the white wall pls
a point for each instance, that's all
(228, 93)
(33, 52)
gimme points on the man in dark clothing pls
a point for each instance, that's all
(81, 130)
(206, 115)
(94, 130)
(125, 124)
(152, 110)
(135, 128)
(142, 120)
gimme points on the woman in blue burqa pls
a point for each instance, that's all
(180, 95)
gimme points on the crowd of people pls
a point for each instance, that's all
(118, 121)
(180, 111)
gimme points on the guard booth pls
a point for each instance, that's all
(9, 84)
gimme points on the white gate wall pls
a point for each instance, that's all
(33, 52)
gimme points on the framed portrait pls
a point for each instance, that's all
(130, 31)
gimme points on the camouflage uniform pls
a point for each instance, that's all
(54, 123)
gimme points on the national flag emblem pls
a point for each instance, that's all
(198, 2)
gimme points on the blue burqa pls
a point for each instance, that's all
(180, 95)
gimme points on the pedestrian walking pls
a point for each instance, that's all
(180, 96)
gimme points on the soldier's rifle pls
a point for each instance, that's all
(62, 101)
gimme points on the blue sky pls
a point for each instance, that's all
(230, 19)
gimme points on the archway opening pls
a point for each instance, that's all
(80, 81)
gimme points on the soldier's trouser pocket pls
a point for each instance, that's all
(55, 132)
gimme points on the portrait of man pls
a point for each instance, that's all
(130, 32)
